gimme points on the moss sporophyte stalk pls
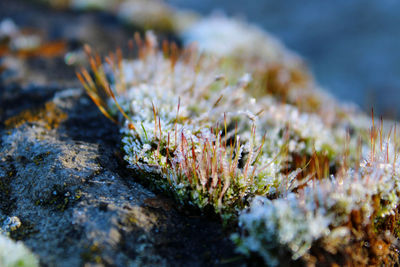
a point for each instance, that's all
(257, 141)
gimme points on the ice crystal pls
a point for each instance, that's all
(285, 222)
(321, 207)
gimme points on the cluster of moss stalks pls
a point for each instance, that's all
(260, 146)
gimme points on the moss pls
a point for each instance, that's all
(49, 114)
(15, 254)
(339, 194)
(318, 165)
(390, 222)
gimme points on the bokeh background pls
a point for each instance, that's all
(352, 46)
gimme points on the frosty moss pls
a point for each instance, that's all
(200, 129)
(331, 211)
(15, 254)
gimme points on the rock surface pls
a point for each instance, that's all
(60, 172)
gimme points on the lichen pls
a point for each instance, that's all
(92, 254)
(59, 199)
(49, 115)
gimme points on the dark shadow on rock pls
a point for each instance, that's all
(86, 123)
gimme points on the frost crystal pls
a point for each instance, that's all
(202, 127)
(15, 254)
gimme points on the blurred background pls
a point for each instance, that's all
(352, 47)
